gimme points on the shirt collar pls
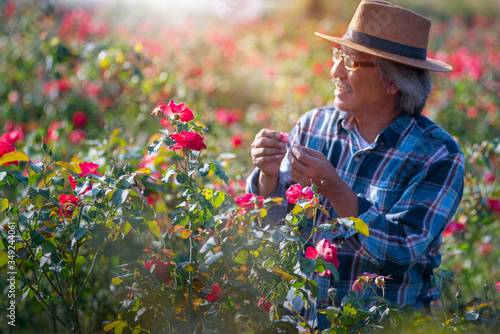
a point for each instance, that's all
(390, 135)
(396, 130)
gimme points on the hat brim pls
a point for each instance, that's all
(427, 64)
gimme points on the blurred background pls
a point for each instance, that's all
(84, 76)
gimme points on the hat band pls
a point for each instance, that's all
(385, 45)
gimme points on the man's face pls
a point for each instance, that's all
(361, 90)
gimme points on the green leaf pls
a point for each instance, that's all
(153, 228)
(445, 274)
(204, 169)
(220, 172)
(4, 204)
(81, 187)
(219, 199)
(330, 266)
(116, 280)
(324, 227)
(181, 178)
(211, 242)
(37, 238)
(119, 196)
(155, 146)
(36, 167)
(307, 265)
(171, 171)
(20, 177)
(471, 316)
(80, 233)
(93, 214)
(64, 273)
(4, 258)
(212, 258)
(48, 246)
(57, 181)
(38, 196)
(13, 156)
(3, 176)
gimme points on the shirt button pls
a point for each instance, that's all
(357, 158)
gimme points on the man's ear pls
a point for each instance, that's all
(391, 88)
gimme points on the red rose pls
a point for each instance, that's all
(12, 136)
(79, 119)
(327, 252)
(296, 192)
(250, 202)
(161, 270)
(69, 203)
(264, 306)
(188, 140)
(76, 136)
(215, 294)
(5, 148)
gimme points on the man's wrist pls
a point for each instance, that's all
(267, 184)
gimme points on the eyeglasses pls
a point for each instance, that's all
(349, 63)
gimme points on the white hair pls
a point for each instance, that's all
(414, 84)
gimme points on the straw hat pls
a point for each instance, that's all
(388, 31)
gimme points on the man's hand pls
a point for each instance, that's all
(307, 165)
(268, 151)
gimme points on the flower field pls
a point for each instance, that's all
(124, 149)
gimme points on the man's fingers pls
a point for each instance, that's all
(269, 134)
(262, 160)
(268, 151)
(307, 156)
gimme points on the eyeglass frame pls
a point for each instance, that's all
(355, 63)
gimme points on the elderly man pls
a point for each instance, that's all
(372, 155)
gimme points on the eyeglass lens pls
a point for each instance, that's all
(348, 61)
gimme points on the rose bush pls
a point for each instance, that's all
(110, 235)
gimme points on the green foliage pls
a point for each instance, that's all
(156, 241)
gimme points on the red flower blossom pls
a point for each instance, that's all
(55, 86)
(453, 227)
(7, 148)
(497, 286)
(161, 269)
(69, 203)
(357, 285)
(76, 136)
(189, 140)
(12, 136)
(489, 177)
(227, 117)
(88, 168)
(236, 140)
(264, 306)
(159, 109)
(295, 193)
(52, 134)
(185, 115)
(325, 251)
(284, 137)
(250, 202)
(79, 119)
(494, 204)
(215, 294)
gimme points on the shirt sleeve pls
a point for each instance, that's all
(398, 239)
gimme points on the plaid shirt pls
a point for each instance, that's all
(409, 183)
